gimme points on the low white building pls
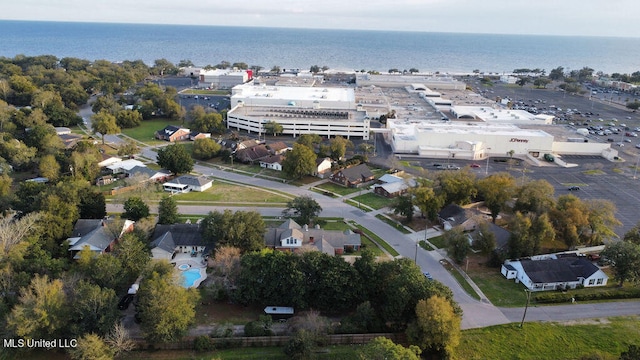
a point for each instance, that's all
(500, 116)
(186, 183)
(553, 272)
(223, 78)
(477, 141)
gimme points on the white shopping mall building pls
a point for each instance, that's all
(477, 141)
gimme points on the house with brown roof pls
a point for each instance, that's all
(278, 147)
(290, 236)
(353, 176)
(199, 135)
(252, 154)
(173, 133)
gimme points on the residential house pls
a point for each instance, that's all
(173, 133)
(390, 186)
(170, 240)
(199, 135)
(252, 154)
(247, 144)
(323, 167)
(554, 272)
(70, 140)
(278, 148)
(290, 236)
(467, 219)
(100, 235)
(147, 174)
(108, 160)
(353, 176)
(186, 183)
(273, 162)
(123, 166)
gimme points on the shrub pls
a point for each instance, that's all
(203, 343)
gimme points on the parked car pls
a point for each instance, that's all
(474, 165)
(428, 276)
(125, 301)
(574, 188)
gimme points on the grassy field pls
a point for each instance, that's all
(541, 341)
(145, 132)
(224, 192)
(336, 225)
(461, 280)
(341, 190)
(500, 291)
(372, 200)
(375, 237)
(438, 242)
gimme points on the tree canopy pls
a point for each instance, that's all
(300, 161)
(175, 158)
(303, 209)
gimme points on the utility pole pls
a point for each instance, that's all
(526, 306)
(415, 257)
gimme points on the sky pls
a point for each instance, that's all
(540, 17)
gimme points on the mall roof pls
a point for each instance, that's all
(293, 93)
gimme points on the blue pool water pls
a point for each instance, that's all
(190, 277)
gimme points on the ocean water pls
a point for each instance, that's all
(302, 48)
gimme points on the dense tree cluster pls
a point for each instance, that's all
(326, 283)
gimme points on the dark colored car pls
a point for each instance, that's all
(574, 188)
(125, 301)
(428, 276)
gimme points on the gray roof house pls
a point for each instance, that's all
(290, 236)
(169, 240)
(554, 271)
(353, 176)
(186, 183)
(97, 234)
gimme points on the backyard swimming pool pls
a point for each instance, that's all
(190, 277)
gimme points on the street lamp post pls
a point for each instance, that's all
(526, 306)
(486, 171)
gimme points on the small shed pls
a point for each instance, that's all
(509, 271)
(279, 312)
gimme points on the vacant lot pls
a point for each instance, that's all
(231, 193)
(146, 131)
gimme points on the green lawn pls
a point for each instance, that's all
(336, 225)
(145, 132)
(462, 281)
(379, 240)
(359, 205)
(341, 190)
(438, 242)
(424, 245)
(394, 224)
(545, 340)
(499, 290)
(373, 200)
(225, 192)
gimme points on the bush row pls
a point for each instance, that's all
(560, 297)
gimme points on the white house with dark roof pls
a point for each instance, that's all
(125, 165)
(97, 234)
(186, 183)
(169, 240)
(552, 272)
(290, 236)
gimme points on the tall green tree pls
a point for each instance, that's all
(436, 328)
(457, 244)
(602, 220)
(93, 309)
(91, 346)
(41, 312)
(403, 205)
(134, 255)
(135, 209)
(303, 209)
(273, 128)
(425, 198)
(242, 229)
(175, 158)
(104, 123)
(458, 187)
(168, 210)
(205, 149)
(535, 197)
(300, 161)
(625, 257)
(497, 189)
(166, 309)
(338, 147)
(309, 140)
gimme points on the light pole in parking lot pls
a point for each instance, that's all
(486, 170)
